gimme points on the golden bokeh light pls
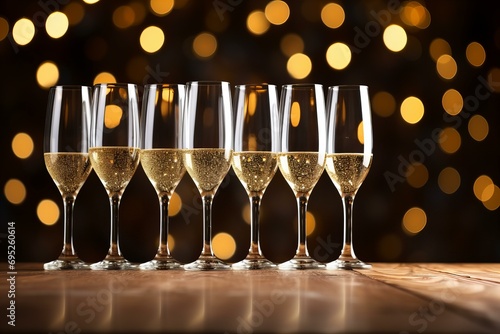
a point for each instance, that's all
(47, 74)
(299, 66)
(452, 102)
(123, 17)
(478, 127)
(416, 15)
(205, 45)
(57, 24)
(4, 28)
(291, 44)
(90, 2)
(446, 67)
(171, 242)
(414, 220)
(475, 53)
(104, 77)
(417, 176)
(174, 205)
(22, 145)
(245, 213)
(48, 212)
(493, 202)
(481, 188)
(75, 12)
(332, 15)
(311, 223)
(295, 114)
(383, 104)
(112, 116)
(277, 12)
(494, 79)
(395, 38)
(257, 22)
(449, 180)
(161, 7)
(14, 191)
(23, 31)
(361, 133)
(439, 47)
(338, 56)
(412, 110)
(152, 39)
(450, 140)
(224, 245)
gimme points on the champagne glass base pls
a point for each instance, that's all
(348, 264)
(113, 265)
(252, 262)
(161, 264)
(301, 263)
(68, 264)
(207, 263)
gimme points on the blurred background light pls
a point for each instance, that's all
(439, 47)
(452, 102)
(4, 28)
(15, 191)
(204, 45)
(23, 31)
(57, 24)
(22, 145)
(75, 12)
(417, 176)
(277, 12)
(478, 127)
(299, 66)
(383, 104)
(395, 38)
(257, 22)
(47, 74)
(338, 56)
(475, 53)
(449, 180)
(450, 140)
(332, 15)
(48, 212)
(412, 110)
(104, 77)
(224, 245)
(161, 7)
(414, 220)
(152, 39)
(446, 67)
(291, 44)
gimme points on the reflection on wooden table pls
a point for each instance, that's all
(390, 298)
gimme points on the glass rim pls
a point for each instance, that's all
(206, 83)
(255, 85)
(165, 85)
(348, 87)
(69, 87)
(115, 84)
(302, 85)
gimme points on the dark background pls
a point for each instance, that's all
(459, 228)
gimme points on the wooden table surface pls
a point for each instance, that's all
(390, 298)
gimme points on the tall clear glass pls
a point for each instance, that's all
(114, 153)
(349, 156)
(66, 143)
(207, 141)
(161, 157)
(255, 158)
(302, 157)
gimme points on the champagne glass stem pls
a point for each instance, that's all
(207, 226)
(114, 248)
(68, 249)
(347, 250)
(163, 249)
(301, 231)
(254, 226)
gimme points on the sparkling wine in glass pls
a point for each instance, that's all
(207, 141)
(161, 157)
(302, 156)
(114, 153)
(349, 156)
(255, 158)
(66, 143)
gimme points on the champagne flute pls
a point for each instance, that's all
(66, 141)
(302, 157)
(161, 156)
(114, 153)
(349, 156)
(256, 144)
(207, 132)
